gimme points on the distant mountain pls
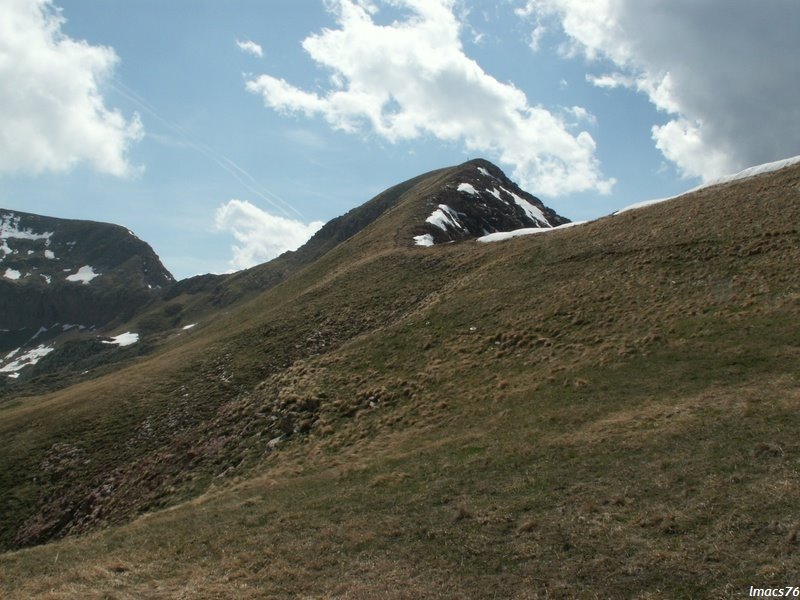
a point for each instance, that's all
(58, 275)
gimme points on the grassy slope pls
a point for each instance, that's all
(606, 411)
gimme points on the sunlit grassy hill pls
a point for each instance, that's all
(610, 410)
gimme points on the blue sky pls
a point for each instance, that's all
(224, 133)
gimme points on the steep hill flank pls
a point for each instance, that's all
(408, 213)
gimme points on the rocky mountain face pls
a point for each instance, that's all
(478, 200)
(58, 275)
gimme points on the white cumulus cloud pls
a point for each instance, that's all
(250, 47)
(411, 79)
(260, 236)
(724, 71)
(52, 112)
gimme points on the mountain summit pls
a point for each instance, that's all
(478, 199)
(446, 205)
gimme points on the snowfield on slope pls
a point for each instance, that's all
(745, 174)
(507, 235)
(31, 357)
(444, 216)
(84, 275)
(10, 229)
(467, 188)
(123, 339)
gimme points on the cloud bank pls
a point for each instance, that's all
(260, 235)
(52, 113)
(725, 71)
(411, 79)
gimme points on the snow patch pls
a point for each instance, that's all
(41, 330)
(507, 235)
(188, 326)
(530, 210)
(31, 357)
(423, 240)
(85, 274)
(745, 174)
(49, 254)
(10, 229)
(12, 274)
(444, 216)
(485, 172)
(47, 278)
(468, 188)
(752, 172)
(124, 339)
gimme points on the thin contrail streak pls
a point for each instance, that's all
(220, 159)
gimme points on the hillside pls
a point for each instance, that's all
(609, 410)
(74, 319)
(478, 193)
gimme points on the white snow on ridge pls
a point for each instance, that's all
(485, 172)
(752, 172)
(425, 239)
(507, 235)
(10, 229)
(31, 357)
(530, 210)
(444, 216)
(12, 274)
(124, 339)
(745, 174)
(85, 275)
(468, 188)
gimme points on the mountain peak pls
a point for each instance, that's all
(476, 199)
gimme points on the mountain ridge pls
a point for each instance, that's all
(535, 416)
